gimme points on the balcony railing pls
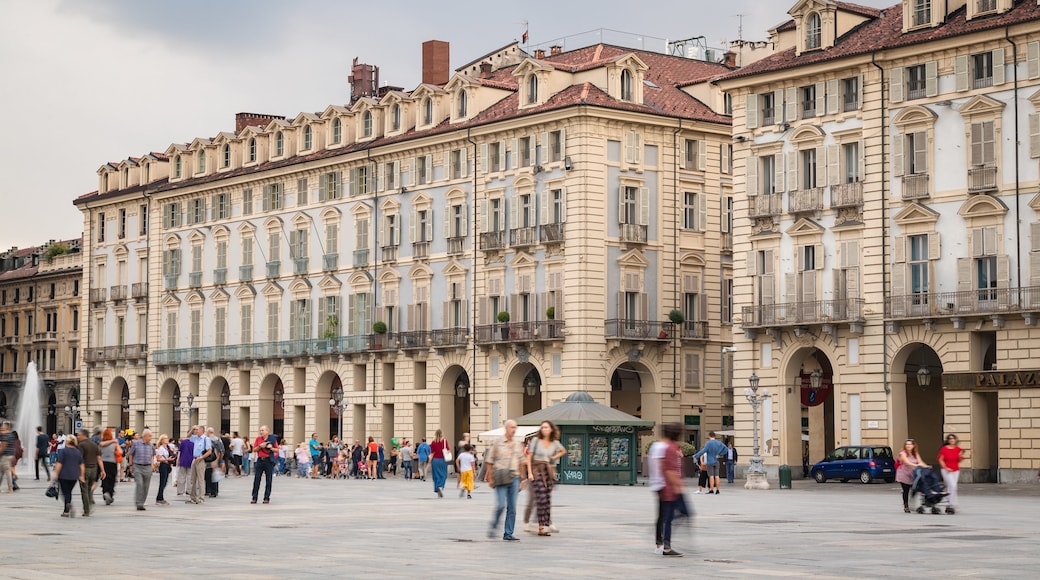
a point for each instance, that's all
(987, 301)
(767, 116)
(262, 350)
(195, 280)
(694, 330)
(633, 233)
(329, 262)
(12, 377)
(521, 237)
(493, 240)
(916, 89)
(301, 266)
(552, 233)
(799, 313)
(245, 273)
(456, 246)
(420, 250)
(118, 293)
(847, 194)
(139, 291)
(274, 269)
(8, 340)
(851, 103)
(915, 186)
(360, 258)
(805, 200)
(170, 281)
(982, 82)
(385, 341)
(449, 337)
(639, 329)
(727, 242)
(97, 295)
(763, 206)
(809, 109)
(389, 254)
(50, 336)
(520, 331)
(115, 353)
(982, 178)
(220, 276)
(413, 339)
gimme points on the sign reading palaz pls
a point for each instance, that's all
(991, 380)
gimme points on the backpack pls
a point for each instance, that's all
(18, 451)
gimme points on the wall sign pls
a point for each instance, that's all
(991, 380)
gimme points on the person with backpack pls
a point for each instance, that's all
(423, 452)
(213, 463)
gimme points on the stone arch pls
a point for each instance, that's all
(633, 385)
(795, 403)
(917, 412)
(271, 403)
(525, 369)
(325, 417)
(455, 416)
(216, 411)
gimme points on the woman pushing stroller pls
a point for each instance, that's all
(909, 459)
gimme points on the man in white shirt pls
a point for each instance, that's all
(61, 441)
(237, 445)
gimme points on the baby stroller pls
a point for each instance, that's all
(929, 486)
(362, 470)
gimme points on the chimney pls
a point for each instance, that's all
(555, 50)
(729, 58)
(436, 62)
(485, 70)
(243, 120)
(363, 79)
(539, 54)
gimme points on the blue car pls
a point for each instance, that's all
(863, 462)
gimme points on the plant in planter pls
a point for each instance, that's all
(675, 317)
(503, 318)
(379, 328)
(331, 326)
(550, 313)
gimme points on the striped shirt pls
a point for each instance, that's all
(141, 452)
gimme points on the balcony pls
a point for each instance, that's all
(493, 240)
(761, 206)
(118, 293)
(982, 178)
(523, 237)
(801, 313)
(639, 330)
(984, 302)
(274, 269)
(195, 280)
(330, 262)
(551, 233)
(805, 200)
(421, 250)
(768, 116)
(115, 353)
(727, 242)
(915, 186)
(245, 273)
(413, 339)
(847, 195)
(542, 330)
(12, 378)
(51, 336)
(262, 350)
(301, 266)
(809, 109)
(170, 282)
(220, 276)
(851, 103)
(139, 291)
(633, 233)
(361, 258)
(9, 340)
(448, 337)
(97, 295)
(695, 330)
(982, 82)
(382, 342)
(389, 254)
(456, 246)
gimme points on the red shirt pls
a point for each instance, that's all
(672, 461)
(262, 452)
(437, 449)
(951, 457)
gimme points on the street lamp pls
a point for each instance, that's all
(462, 387)
(924, 377)
(190, 399)
(531, 385)
(72, 412)
(756, 474)
(816, 379)
(340, 405)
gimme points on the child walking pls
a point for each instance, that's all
(465, 464)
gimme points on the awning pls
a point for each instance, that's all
(522, 432)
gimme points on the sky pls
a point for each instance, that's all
(85, 82)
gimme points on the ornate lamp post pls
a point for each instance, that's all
(340, 405)
(531, 385)
(188, 407)
(924, 377)
(72, 412)
(461, 388)
(756, 474)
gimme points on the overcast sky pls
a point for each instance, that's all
(84, 82)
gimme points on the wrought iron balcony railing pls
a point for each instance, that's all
(449, 337)
(551, 233)
(915, 186)
(847, 194)
(389, 254)
(456, 246)
(420, 250)
(760, 206)
(801, 313)
(118, 293)
(521, 237)
(520, 331)
(805, 200)
(639, 329)
(982, 178)
(139, 290)
(986, 301)
(195, 280)
(695, 330)
(97, 295)
(263, 350)
(493, 240)
(115, 353)
(301, 266)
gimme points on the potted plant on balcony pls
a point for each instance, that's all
(379, 328)
(550, 314)
(503, 318)
(331, 331)
(675, 317)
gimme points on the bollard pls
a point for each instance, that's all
(785, 477)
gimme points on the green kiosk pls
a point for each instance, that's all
(602, 443)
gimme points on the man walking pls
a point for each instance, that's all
(185, 456)
(6, 458)
(424, 453)
(666, 478)
(43, 447)
(237, 446)
(201, 449)
(503, 460)
(213, 462)
(731, 462)
(315, 448)
(266, 448)
(91, 453)
(141, 457)
(711, 451)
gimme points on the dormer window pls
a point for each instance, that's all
(532, 89)
(395, 117)
(626, 85)
(922, 13)
(307, 138)
(126, 177)
(252, 150)
(177, 166)
(813, 32)
(427, 111)
(462, 105)
(366, 124)
(202, 162)
(279, 144)
(104, 182)
(147, 173)
(337, 130)
(227, 155)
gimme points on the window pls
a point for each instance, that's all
(247, 202)
(850, 93)
(497, 215)
(222, 254)
(813, 30)
(300, 319)
(458, 221)
(274, 246)
(850, 159)
(220, 325)
(247, 250)
(694, 214)
(328, 186)
(391, 230)
(221, 206)
(918, 263)
(202, 163)
(197, 211)
(630, 205)
(462, 104)
(690, 149)
(390, 174)
(101, 227)
(422, 167)
(252, 150)
(532, 89)
(246, 327)
(177, 166)
(726, 158)
(626, 85)
(524, 144)
(557, 210)
(366, 124)
(808, 101)
(982, 144)
(982, 70)
(196, 259)
(427, 111)
(916, 81)
(196, 328)
(272, 196)
(985, 6)
(769, 112)
(395, 117)
(808, 162)
(171, 330)
(423, 231)
(272, 321)
(495, 156)
(457, 160)
(984, 253)
(727, 104)
(227, 155)
(767, 173)
(555, 146)
(122, 223)
(762, 269)
(337, 131)
(917, 153)
(633, 147)
(143, 216)
(279, 144)
(301, 191)
(922, 12)
(308, 138)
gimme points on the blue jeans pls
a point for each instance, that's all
(506, 496)
(264, 467)
(665, 515)
(730, 469)
(440, 473)
(406, 467)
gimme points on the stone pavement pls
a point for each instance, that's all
(398, 529)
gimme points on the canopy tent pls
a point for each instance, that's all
(522, 432)
(580, 409)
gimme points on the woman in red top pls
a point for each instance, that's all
(372, 457)
(950, 456)
(438, 464)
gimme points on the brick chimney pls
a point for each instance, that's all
(436, 62)
(555, 50)
(485, 70)
(539, 54)
(729, 58)
(243, 120)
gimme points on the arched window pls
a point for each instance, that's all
(337, 130)
(177, 166)
(812, 32)
(307, 139)
(395, 117)
(252, 150)
(366, 122)
(227, 155)
(202, 162)
(532, 89)
(462, 104)
(279, 144)
(427, 111)
(626, 85)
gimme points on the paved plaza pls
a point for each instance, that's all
(398, 529)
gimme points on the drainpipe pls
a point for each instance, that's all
(1018, 187)
(884, 226)
(473, 283)
(375, 261)
(675, 252)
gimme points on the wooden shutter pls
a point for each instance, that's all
(429, 225)
(447, 222)
(778, 175)
(1033, 60)
(960, 71)
(821, 99)
(501, 155)
(931, 78)
(964, 274)
(484, 216)
(543, 209)
(751, 263)
(833, 96)
(808, 286)
(791, 105)
(563, 143)
(896, 84)
(514, 216)
(1003, 273)
(463, 222)
(751, 170)
(381, 177)
(751, 111)
(702, 155)
(484, 164)
(724, 158)
(702, 212)
(778, 106)
(1034, 135)
(821, 167)
(819, 256)
(644, 207)
(792, 172)
(998, 66)
(898, 161)
(833, 165)
(1034, 257)
(899, 249)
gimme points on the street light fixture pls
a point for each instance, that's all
(816, 379)
(924, 377)
(756, 474)
(72, 412)
(461, 387)
(340, 405)
(190, 399)
(531, 385)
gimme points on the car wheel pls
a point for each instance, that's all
(864, 477)
(819, 476)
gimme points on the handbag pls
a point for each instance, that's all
(52, 490)
(502, 477)
(446, 452)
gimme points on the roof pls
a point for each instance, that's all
(885, 31)
(580, 409)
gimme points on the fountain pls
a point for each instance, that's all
(29, 416)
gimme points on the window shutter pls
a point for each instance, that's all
(977, 242)
(899, 249)
(1034, 257)
(778, 106)
(563, 204)
(808, 286)
(989, 235)
(833, 101)
(998, 66)
(267, 198)
(818, 256)
(1033, 60)
(691, 283)
(501, 155)
(411, 227)
(429, 225)
(751, 264)
(724, 158)
(447, 222)
(898, 288)
(778, 174)
(413, 171)
(514, 216)
(931, 78)
(751, 170)
(821, 96)
(464, 221)
(861, 151)
(792, 171)
(1003, 272)
(852, 283)
(988, 143)
(428, 164)
(484, 216)
(644, 207)
(791, 105)
(751, 110)
(515, 150)
(964, 274)
(702, 307)
(898, 162)
(821, 167)
(702, 155)
(833, 165)
(485, 166)
(702, 212)
(544, 217)
(976, 144)
(896, 84)
(768, 290)
(960, 70)
(563, 143)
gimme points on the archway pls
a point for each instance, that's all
(918, 404)
(225, 408)
(330, 387)
(117, 405)
(455, 395)
(532, 391)
(170, 413)
(523, 390)
(271, 403)
(808, 422)
(124, 407)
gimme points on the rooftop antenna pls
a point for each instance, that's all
(740, 26)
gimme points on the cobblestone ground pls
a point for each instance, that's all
(399, 529)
